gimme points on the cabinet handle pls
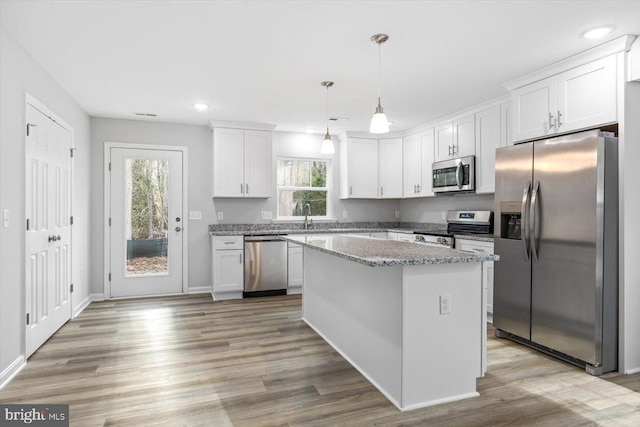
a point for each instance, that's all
(241, 188)
(455, 149)
(551, 121)
(419, 188)
(415, 188)
(229, 243)
(559, 122)
(450, 151)
(381, 191)
(247, 187)
(240, 258)
(351, 190)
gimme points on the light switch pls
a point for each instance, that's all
(266, 215)
(195, 215)
(5, 218)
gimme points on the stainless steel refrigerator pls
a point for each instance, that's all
(556, 231)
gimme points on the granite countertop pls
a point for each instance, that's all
(386, 253)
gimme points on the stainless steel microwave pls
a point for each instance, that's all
(455, 175)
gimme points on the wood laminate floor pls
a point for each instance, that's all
(187, 360)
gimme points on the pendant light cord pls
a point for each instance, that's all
(327, 108)
(379, 72)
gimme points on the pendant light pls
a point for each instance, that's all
(379, 122)
(327, 144)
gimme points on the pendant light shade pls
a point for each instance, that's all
(379, 122)
(327, 146)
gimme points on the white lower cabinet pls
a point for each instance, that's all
(227, 267)
(295, 269)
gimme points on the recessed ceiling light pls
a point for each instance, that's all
(597, 33)
(200, 107)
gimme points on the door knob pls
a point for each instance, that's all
(178, 229)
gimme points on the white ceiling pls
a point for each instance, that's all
(263, 61)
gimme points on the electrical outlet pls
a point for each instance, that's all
(220, 216)
(345, 215)
(397, 214)
(266, 214)
(444, 214)
(5, 218)
(195, 215)
(445, 304)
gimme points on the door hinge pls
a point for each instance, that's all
(109, 276)
(71, 150)
(27, 318)
(71, 220)
(71, 288)
(28, 224)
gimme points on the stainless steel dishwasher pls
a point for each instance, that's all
(265, 266)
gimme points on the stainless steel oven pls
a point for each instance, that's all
(454, 175)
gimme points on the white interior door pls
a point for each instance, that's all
(147, 224)
(48, 235)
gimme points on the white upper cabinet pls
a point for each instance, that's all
(579, 98)
(242, 163)
(488, 138)
(444, 147)
(359, 168)
(417, 163)
(464, 136)
(390, 168)
(587, 96)
(455, 138)
(370, 168)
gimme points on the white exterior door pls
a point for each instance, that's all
(48, 235)
(147, 223)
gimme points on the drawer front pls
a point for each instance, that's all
(229, 242)
(480, 248)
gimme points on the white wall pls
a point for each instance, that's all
(430, 209)
(198, 141)
(19, 74)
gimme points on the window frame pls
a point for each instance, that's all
(326, 188)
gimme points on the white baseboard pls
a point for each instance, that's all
(81, 306)
(632, 371)
(97, 297)
(294, 291)
(12, 370)
(199, 290)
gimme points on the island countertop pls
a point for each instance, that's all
(385, 253)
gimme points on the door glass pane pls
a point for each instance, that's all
(147, 216)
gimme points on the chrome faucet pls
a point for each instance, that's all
(307, 212)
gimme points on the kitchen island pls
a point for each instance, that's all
(407, 316)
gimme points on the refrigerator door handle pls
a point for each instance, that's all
(524, 214)
(534, 221)
(459, 176)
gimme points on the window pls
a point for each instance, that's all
(303, 182)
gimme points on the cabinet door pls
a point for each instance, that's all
(228, 271)
(506, 138)
(411, 166)
(587, 95)
(228, 162)
(488, 132)
(425, 188)
(534, 109)
(257, 164)
(390, 168)
(464, 136)
(444, 141)
(295, 266)
(362, 168)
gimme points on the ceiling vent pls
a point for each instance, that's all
(146, 114)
